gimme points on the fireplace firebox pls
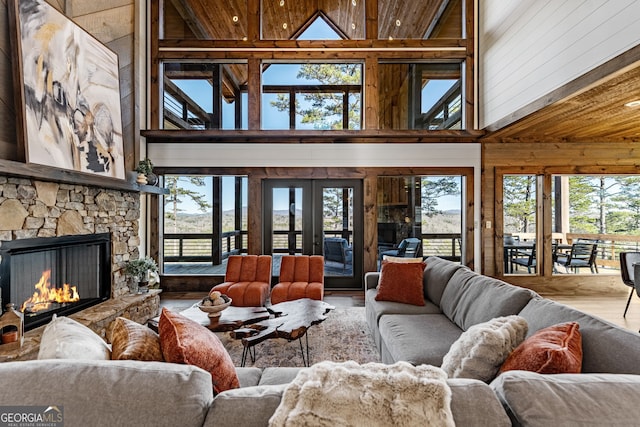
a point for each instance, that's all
(55, 275)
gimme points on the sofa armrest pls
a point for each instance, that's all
(371, 280)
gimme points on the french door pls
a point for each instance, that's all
(316, 217)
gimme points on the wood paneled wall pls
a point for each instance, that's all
(547, 159)
(112, 23)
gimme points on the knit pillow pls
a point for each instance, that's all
(184, 341)
(401, 282)
(553, 350)
(133, 341)
(480, 351)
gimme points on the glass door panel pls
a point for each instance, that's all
(519, 217)
(339, 228)
(316, 217)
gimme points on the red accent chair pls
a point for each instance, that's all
(301, 276)
(247, 280)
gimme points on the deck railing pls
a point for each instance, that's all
(198, 247)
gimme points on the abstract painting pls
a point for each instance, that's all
(68, 86)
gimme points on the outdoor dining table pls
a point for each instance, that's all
(511, 250)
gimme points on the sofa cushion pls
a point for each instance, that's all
(418, 338)
(470, 298)
(482, 349)
(553, 350)
(599, 337)
(133, 341)
(184, 341)
(65, 338)
(107, 393)
(401, 282)
(245, 407)
(279, 375)
(469, 398)
(248, 377)
(436, 276)
(532, 399)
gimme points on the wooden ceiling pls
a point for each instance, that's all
(591, 108)
(286, 19)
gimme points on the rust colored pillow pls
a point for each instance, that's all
(133, 341)
(553, 350)
(401, 282)
(184, 341)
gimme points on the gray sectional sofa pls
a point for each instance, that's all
(607, 393)
(132, 393)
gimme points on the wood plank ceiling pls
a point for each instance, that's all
(286, 19)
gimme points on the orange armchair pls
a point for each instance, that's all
(247, 280)
(301, 276)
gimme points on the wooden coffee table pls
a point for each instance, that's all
(230, 318)
(290, 320)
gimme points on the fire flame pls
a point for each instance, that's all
(45, 295)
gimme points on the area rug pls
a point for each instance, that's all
(343, 336)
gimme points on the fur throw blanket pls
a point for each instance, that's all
(373, 394)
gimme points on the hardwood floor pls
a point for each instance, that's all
(606, 307)
(609, 308)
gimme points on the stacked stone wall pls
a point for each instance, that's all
(31, 208)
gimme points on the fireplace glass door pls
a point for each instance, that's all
(61, 275)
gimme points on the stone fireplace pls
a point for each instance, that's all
(31, 208)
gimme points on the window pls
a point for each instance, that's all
(205, 221)
(425, 207)
(312, 96)
(204, 96)
(420, 96)
(603, 210)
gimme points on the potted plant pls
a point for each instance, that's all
(140, 269)
(145, 172)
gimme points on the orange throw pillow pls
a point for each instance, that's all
(184, 341)
(553, 350)
(401, 282)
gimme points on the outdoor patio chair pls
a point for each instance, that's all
(627, 261)
(301, 276)
(247, 280)
(407, 248)
(528, 259)
(582, 255)
(337, 249)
